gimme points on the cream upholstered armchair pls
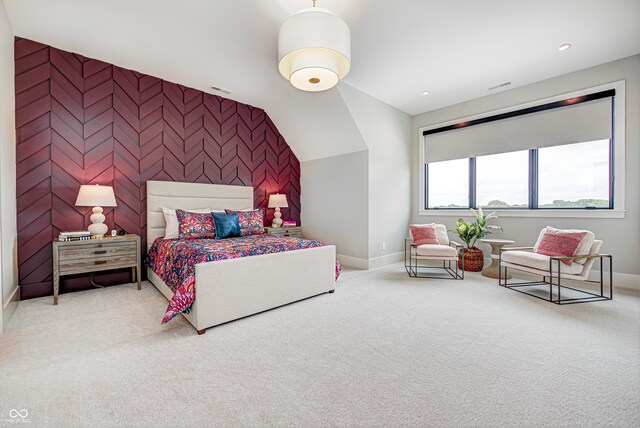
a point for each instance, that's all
(428, 254)
(554, 268)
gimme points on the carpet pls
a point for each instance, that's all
(383, 350)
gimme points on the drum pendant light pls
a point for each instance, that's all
(314, 49)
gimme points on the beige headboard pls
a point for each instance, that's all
(174, 195)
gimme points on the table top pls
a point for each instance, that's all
(105, 240)
(497, 241)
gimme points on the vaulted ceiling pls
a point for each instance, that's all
(455, 49)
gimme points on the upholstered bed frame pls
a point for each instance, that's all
(227, 290)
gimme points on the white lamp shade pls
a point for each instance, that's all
(314, 50)
(278, 201)
(94, 195)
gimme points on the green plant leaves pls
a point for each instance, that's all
(470, 232)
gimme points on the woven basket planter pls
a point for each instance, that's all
(473, 259)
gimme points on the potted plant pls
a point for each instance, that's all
(469, 232)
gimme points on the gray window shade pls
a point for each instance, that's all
(588, 121)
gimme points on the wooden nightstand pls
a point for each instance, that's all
(94, 255)
(294, 232)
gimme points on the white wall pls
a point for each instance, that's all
(8, 233)
(387, 134)
(335, 200)
(368, 192)
(620, 236)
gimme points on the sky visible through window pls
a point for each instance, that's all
(502, 180)
(575, 175)
(449, 184)
(569, 176)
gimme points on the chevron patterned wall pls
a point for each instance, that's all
(82, 121)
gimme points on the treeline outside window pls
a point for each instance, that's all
(577, 175)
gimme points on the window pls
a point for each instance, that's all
(574, 176)
(502, 180)
(448, 184)
(554, 155)
(568, 176)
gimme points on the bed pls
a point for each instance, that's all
(231, 289)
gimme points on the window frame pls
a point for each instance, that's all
(533, 185)
(616, 207)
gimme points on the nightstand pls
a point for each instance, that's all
(94, 255)
(294, 232)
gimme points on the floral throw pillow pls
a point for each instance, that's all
(251, 222)
(195, 225)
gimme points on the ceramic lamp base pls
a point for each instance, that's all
(277, 219)
(98, 228)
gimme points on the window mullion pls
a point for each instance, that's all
(472, 182)
(426, 186)
(533, 179)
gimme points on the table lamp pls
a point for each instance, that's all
(96, 196)
(277, 201)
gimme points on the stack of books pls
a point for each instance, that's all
(79, 235)
(288, 223)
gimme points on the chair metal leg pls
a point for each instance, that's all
(559, 279)
(601, 277)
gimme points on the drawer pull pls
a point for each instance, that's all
(101, 252)
(100, 262)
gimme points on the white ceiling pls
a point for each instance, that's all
(456, 49)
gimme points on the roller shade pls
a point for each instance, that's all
(586, 121)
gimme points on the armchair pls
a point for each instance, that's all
(554, 270)
(444, 251)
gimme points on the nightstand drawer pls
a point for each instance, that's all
(98, 251)
(293, 232)
(69, 266)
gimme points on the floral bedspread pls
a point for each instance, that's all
(174, 260)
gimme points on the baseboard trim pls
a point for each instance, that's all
(355, 262)
(10, 306)
(374, 263)
(624, 280)
(378, 262)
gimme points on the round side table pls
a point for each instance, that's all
(496, 244)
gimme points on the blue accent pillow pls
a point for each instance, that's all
(226, 225)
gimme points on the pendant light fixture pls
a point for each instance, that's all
(314, 49)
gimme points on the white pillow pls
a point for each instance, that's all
(171, 219)
(441, 233)
(583, 248)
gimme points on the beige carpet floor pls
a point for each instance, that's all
(384, 350)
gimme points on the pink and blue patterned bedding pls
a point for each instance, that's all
(174, 261)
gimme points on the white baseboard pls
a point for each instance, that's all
(10, 306)
(355, 262)
(388, 259)
(376, 262)
(624, 280)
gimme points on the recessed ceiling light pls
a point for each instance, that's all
(564, 47)
(426, 93)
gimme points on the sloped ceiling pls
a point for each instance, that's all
(197, 43)
(456, 49)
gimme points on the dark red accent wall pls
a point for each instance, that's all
(83, 121)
